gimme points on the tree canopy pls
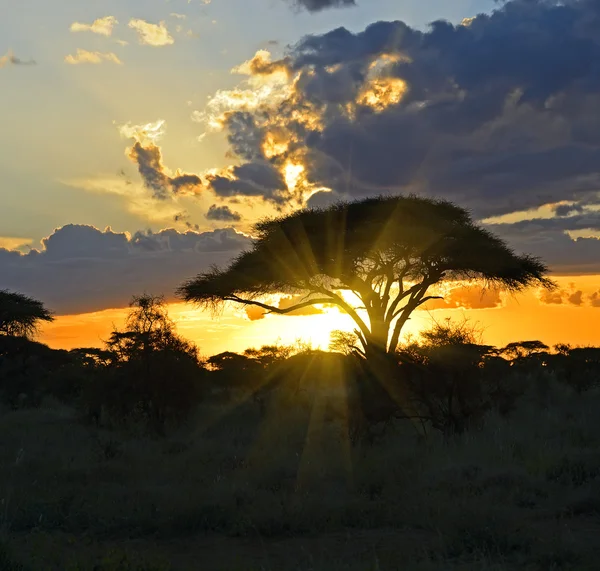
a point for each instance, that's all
(388, 251)
(21, 315)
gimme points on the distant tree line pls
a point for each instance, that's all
(148, 375)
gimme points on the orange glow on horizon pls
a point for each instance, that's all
(520, 317)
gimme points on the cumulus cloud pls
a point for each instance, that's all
(11, 59)
(147, 155)
(151, 34)
(595, 299)
(103, 26)
(84, 56)
(318, 5)
(223, 214)
(499, 114)
(82, 269)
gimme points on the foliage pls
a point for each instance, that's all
(20, 315)
(153, 374)
(28, 370)
(454, 379)
(388, 251)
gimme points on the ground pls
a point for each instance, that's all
(234, 490)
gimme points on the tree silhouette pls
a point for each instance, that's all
(20, 315)
(388, 251)
(153, 371)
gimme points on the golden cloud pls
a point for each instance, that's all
(144, 134)
(151, 34)
(103, 26)
(380, 93)
(83, 56)
(14, 243)
(262, 64)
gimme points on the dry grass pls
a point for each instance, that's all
(237, 491)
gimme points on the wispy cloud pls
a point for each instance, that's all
(103, 26)
(83, 56)
(152, 34)
(10, 59)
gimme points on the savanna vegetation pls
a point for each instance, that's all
(433, 453)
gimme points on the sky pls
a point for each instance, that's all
(141, 141)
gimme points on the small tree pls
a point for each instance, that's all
(20, 315)
(387, 251)
(154, 373)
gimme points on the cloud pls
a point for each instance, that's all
(262, 64)
(318, 5)
(151, 34)
(155, 174)
(103, 26)
(250, 179)
(458, 296)
(83, 56)
(11, 59)
(570, 296)
(222, 213)
(555, 240)
(14, 242)
(148, 157)
(82, 269)
(567, 296)
(594, 299)
(499, 114)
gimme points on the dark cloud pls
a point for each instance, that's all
(499, 114)
(81, 268)
(549, 239)
(318, 5)
(566, 209)
(154, 174)
(222, 213)
(258, 178)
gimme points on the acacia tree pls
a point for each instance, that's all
(388, 251)
(21, 315)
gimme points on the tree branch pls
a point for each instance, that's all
(272, 308)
